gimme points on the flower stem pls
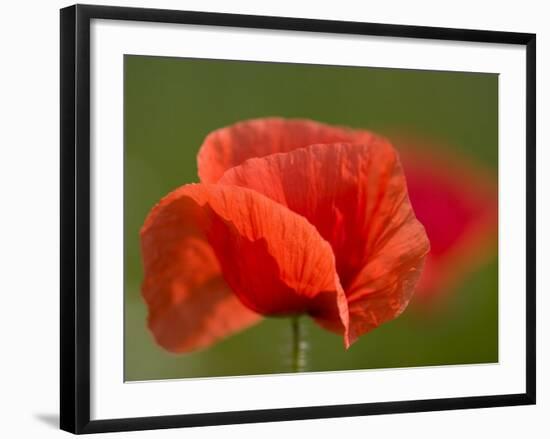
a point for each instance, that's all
(298, 345)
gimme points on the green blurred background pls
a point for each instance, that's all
(171, 104)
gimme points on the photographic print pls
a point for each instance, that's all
(251, 204)
(284, 218)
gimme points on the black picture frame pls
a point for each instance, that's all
(75, 217)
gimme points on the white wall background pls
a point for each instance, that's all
(29, 206)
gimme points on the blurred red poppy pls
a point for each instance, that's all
(292, 217)
(457, 202)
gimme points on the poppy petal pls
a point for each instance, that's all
(190, 305)
(356, 197)
(273, 260)
(230, 146)
(383, 288)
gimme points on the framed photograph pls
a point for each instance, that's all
(268, 218)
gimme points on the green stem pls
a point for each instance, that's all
(298, 345)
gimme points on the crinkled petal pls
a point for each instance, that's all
(272, 259)
(356, 197)
(190, 304)
(383, 288)
(230, 146)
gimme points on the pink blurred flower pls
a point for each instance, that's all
(457, 202)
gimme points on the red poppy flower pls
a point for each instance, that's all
(291, 217)
(457, 202)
